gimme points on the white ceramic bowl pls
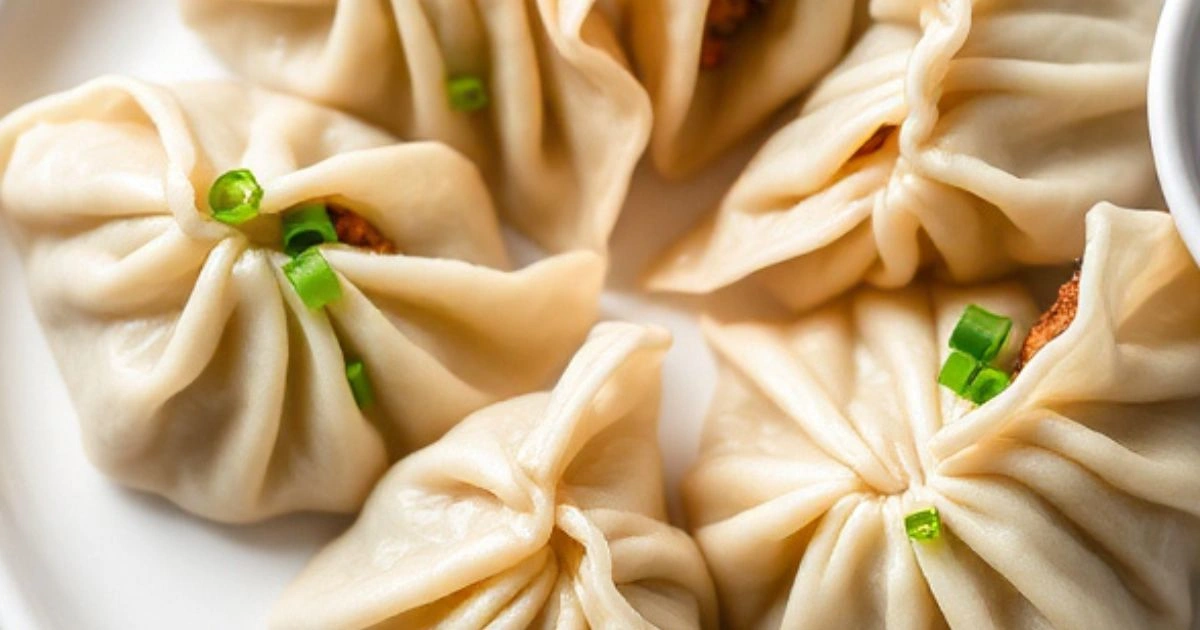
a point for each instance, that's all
(1175, 114)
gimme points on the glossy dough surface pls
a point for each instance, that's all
(1069, 501)
(773, 57)
(543, 511)
(1009, 119)
(196, 371)
(566, 124)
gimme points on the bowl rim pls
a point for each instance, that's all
(1168, 104)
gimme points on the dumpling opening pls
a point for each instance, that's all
(235, 199)
(875, 142)
(356, 231)
(1052, 324)
(319, 221)
(724, 20)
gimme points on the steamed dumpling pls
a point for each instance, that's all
(965, 134)
(565, 124)
(716, 69)
(1071, 500)
(543, 511)
(197, 372)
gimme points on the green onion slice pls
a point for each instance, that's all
(980, 333)
(313, 279)
(467, 93)
(986, 385)
(360, 384)
(923, 525)
(306, 226)
(958, 371)
(234, 197)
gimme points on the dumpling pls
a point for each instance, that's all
(198, 372)
(716, 69)
(542, 99)
(1070, 500)
(543, 511)
(975, 141)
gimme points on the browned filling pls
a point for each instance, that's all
(356, 231)
(1052, 323)
(875, 142)
(724, 19)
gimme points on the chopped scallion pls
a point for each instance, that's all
(986, 385)
(976, 341)
(360, 384)
(234, 197)
(306, 226)
(980, 333)
(958, 372)
(314, 280)
(467, 93)
(923, 525)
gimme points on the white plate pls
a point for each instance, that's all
(79, 553)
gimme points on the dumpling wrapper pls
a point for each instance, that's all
(566, 124)
(543, 511)
(197, 372)
(1014, 118)
(774, 57)
(1069, 501)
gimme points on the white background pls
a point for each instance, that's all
(79, 553)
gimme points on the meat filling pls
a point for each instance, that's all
(875, 142)
(724, 19)
(356, 231)
(1052, 323)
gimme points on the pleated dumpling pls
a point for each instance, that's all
(543, 511)
(717, 69)
(968, 135)
(1071, 500)
(197, 370)
(545, 104)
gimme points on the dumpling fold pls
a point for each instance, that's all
(556, 121)
(197, 371)
(1070, 500)
(718, 69)
(967, 135)
(542, 511)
